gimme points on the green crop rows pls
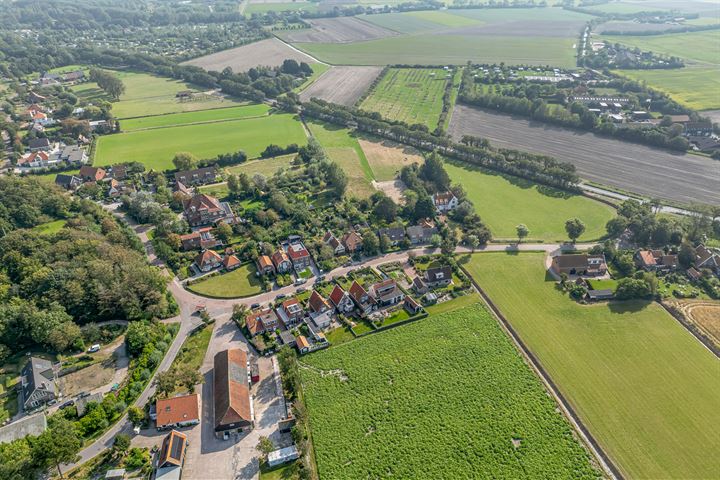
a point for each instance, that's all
(447, 397)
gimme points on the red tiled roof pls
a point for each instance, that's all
(231, 261)
(302, 342)
(202, 201)
(647, 257)
(264, 261)
(337, 294)
(33, 156)
(177, 410)
(317, 302)
(207, 256)
(231, 389)
(279, 257)
(443, 198)
(298, 251)
(352, 240)
(357, 291)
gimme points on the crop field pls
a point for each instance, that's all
(386, 158)
(147, 94)
(684, 45)
(156, 147)
(410, 95)
(202, 116)
(241, 282)
(341, 85)
(643, 385)
(343, 148)
(446, 397)
(694, 87)
(318, 69)
(336, 30)
(647, 171)
(264, 7)
(270, 52)
(503, 202)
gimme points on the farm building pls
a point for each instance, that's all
(172, 456)
(231, 389)
(283, 455)
(579, 264)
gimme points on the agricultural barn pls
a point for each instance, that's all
(233, 405)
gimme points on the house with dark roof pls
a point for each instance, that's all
(38, 144)
(38, 383)
(421, 233)
(604, 294)
(199, 239)
(655, 260)
(317, 303)
(352, 241)
(321, 320)
(202, 209)
(68, 182)
(418, 284)
(208, 260)
(579, 264)
(438, 276)
(177, 412)
(395, 234)
(233, 409)
(287, 338)
(281, 261)
(706, 258)
(330, 240)
(265, 265)
(387, 292)
(172, 456)
(199, 176)
(341, 300)
(411, 305)
(299, 256)
(363, 300)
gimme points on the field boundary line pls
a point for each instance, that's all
(569, 412)
(304, 53)
(189, 111)
(221, 120)
(693, 329)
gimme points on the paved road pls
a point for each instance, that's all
(620, 196)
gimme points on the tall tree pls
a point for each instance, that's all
(574, 228)
(522, 232)
(59, 444)
(184, 161)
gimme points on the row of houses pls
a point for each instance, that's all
(351, 241)
(56, 154)
(283, 260)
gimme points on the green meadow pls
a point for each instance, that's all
(202, 116)
(695, 87)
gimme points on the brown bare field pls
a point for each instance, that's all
(387, 158)
(341, 85)
(337, 30)
(347, 158)
(271, 52)
(703, 313)
(88, 378)
(629, 166)
(392, 188)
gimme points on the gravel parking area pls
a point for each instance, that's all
(341, 85)
(632, 167)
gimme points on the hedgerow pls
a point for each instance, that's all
(447, 397)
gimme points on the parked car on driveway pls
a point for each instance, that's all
(94, 348)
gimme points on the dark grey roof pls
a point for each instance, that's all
(31, 425)
(600, 294)
(67, 180)
(435, 274)
(287, 337)
(38, 373)
(394, 233)
(39, 143)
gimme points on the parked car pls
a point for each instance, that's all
(67, 404)
(280, 296)
(83, 395)
(94, 348)
(301, 290)
(255, 305)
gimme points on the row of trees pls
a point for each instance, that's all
(110, 83)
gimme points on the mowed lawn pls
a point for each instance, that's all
(241, 282)
(155, 148)
(213, 115)
(147, 94)
(503, 202)
(410, 95)
(447, 397)
(695, 87)
(645, 387)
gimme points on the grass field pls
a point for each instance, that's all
(147, 94)
(503, 202)
(241, 282)
(280, 7)
(386, 158)
(318, 69)
(263, 166)
(646, 389)
(202, 116)
(155, 148)
(344, 149)
(410, 95)
(684, 45)
(694, 87)
(448, 49)
(50, 228)
(445, 397)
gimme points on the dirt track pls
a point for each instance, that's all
(341, 85)
(270, 52)
(337, 30)
(635, 168)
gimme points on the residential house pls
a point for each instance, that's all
(579, 264)
(208, 260)
(352, 241)
(91, 174)
(68, 182)
(698, 129)
(656, 260)
(330, 240)
(706, 258)
(231, 262)
(199, 176)
(199, 239)
(364, 302)
(321, 320)
(261, 321)
(29, 425)
(291, 312)
(171, 457)
(202, 209)
(231, 392)
(302, 344)
(341, 300)
(411, 305)
(119, 172)
(421, 233)
(265, 265)
(281, 261)
(287, 338)
(37, 159)
(39, 144)
(177, 412)
(387, 292)
(693, 274)
(418, 284)
(317, 303)
(395, 234)
(438, 276)
(299, 256)
(38, 383)
(75, 155)
(444, 201)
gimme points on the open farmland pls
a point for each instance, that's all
(341, 85)
(189, 118)
(156, 147)
(694, 87)
(271, 52)
(646, 389)
(336, 30)
(446, 397)
(503, 202)
(386, 158)
(410, 95)
(688, 46)
(653, 172)
(705, 314)
(263, 6)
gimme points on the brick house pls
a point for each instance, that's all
(281, 261)
(208, 260)
(444, 201)
(317, 303)
(291, 312)
(656, 260)
(199, 176)
(363, 300)
(202, 209)
(579, 264)
(438, 276)
(265, 265)
(341, 300)
(352, 241)
(387, 292)
(261, 321)
(330, 240)
(199, 239)
(299, 256)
